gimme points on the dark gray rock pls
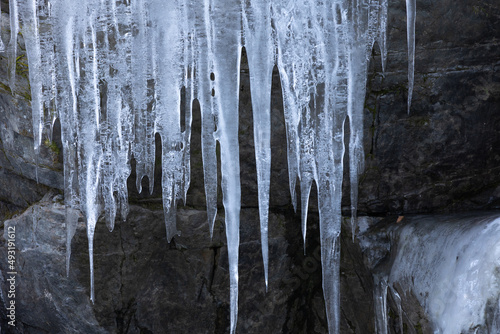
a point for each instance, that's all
(146, 285)
(444, 155)
(24, 177)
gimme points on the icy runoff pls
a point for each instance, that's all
(113, 72)
(451, 265)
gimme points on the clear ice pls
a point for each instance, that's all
(114, 73)
(451, 265)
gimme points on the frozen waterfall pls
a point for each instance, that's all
(451, 265)
(113, 71)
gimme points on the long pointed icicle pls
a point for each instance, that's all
(90, 165)
(2, 44)
(226, 21)
(12, 48)
(356, 93)
(204, 85)
(259, 46)
(411, 8)
(31, 35)
(169, 77)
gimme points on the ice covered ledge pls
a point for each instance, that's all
(437, 273)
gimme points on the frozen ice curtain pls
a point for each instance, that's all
(112, 72)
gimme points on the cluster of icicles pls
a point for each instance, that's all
(112, 72)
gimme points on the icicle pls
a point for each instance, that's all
(380, 301)
(188, 87)
(259, 47)
(32, 38)
(89, 148)
(356, 98)
(71, 222)
(2, 45)
(411, 8)
(226, 21)
(397, 300)
(142, 95)
(382, 34)
(168, 82)
(205, 83)
(12, 48)
(67, 101)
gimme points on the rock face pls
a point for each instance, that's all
(442, 156)
(146, 285)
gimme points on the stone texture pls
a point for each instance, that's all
(444, 155)
(146, 285)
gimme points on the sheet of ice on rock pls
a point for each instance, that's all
(451, 265)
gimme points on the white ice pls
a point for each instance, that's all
(259, 45)
(451, 265)
(115, 73)
(411, 15)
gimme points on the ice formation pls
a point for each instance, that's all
(113, 71)
(455, 280)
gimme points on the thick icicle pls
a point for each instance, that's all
(31, 36)
(208, 111)
(260, 53)
(380, 301)
(168, 83)
(67, 100)
(226, 21)
(12, 48)
(2, 44)
(411, 10)
(142, 96)
(281, 18)
(296, 69)
(90, 149)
